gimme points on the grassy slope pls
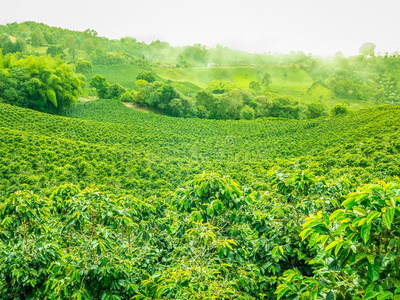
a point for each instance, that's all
(242, 75)
(126, 75)
(123, 74)
(117, 148)
(286, 79)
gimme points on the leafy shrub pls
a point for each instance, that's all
(127, 97)
(356, 243)
(148, 76)
(247, 113)
(83, 66)
(339, 109)
(315, 110)
(100, 84)
(115, 91)
(255, 85)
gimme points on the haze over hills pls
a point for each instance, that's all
(320, 28)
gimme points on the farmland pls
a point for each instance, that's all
(146, 171)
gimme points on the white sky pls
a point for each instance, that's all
(320, 27)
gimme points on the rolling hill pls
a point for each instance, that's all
(105, 143)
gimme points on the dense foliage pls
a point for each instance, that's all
(106, 202)
(237, 237)
(41, 83)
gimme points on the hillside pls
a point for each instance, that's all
(198, 173)
(136, 204)
(108, 144)
(251, 81)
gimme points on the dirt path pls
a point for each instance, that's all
(140, 108)
(127, 104)
(87, 99)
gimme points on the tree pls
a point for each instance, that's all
(283, 107)
(37, 38)
(88, 45)
(148, 76)
(141, 84)
(114, 91)
(163, 95)
(91, 33)
(41, 83)
(100, 83)
(83, 66)
(71, 45)
(247, 113)
(367, 49)
(220, 86)
(9, 46)
(196, 53)
(127, 97)
(207, 101)
(55, 51)
(339, 109)
(266, 80)
(176, 108)
(20, 45)
(315, 110)
(255, 85)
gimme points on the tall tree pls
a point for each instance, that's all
(37, 38)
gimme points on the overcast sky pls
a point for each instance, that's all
(320, 27)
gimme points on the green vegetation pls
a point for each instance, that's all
(282, 172)
(40, 83)
(311, 86)
(277, 178)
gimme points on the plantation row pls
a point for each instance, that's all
(161, 223)
(146, 154)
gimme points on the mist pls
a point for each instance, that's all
(317, 27)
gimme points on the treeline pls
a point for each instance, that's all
(221, 100)
(364, 78)
(15, 37)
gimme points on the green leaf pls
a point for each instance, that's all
(337, 249)
(365, 232)
(384, 295)
(281, 291)
(349, 203)
(332, 245)
(336, 214)
(372, 215)
(359, 211)
(306, 232)
(388, 217)
(371, 259)
(330, 296)
(373, 272)
(51, 95)
(359, 256)
(371, 295)
(210, 211)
